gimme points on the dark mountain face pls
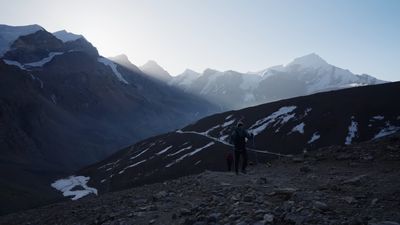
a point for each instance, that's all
(281, 128)
(63, 106)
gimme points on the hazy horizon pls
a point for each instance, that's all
(362, 36)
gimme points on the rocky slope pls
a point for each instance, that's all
(284, 127)
(357, 185)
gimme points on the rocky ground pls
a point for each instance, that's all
(354, 185)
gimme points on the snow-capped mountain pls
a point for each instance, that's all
(155, 71)
(123, 60)
(185, 79)
(304, 75)
(8, 34)
(281, 129)
(66, 36)
(63, 106)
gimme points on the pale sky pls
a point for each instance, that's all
(360, 35)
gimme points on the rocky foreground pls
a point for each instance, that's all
(357, 184)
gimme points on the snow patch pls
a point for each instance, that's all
(388, 130)
(164, 150)
(42, 62)
(179, 151)
(315, 137)
(209, 130)
(66, 185)
(223, 138)
(134, 157)
(14, 63)
(39, 63)
(281, 116)
(113, 66)
(228, 117)
(378, 117)
(190, 154)
(352, 132)
(299, 128)
(130, 166)
(108, 164)
(228, 123)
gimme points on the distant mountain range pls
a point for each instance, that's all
(281, 128)
(63, 106)
(234, 90)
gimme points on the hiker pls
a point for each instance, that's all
(238, 138)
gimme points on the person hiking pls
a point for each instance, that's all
(238, 138)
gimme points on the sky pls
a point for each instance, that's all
(360, 35)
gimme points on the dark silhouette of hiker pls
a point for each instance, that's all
(238, 138)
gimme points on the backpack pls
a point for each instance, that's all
(239, 138)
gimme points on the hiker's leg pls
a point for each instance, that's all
(244, 161)
(237, 158)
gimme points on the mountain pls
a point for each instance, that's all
(185, 79)
(66, 36)
(304, 75)
(63, 106)
(155, 71)
(8, 34)
(281, 129)
(355, 184)
(123, 60)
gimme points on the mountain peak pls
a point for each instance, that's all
(8, 34)
(191, 72)
(121, 58)
(66, 36)
(153, 69)
(151, 63)
(310, 60)
(209, 71)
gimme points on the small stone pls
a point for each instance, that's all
(184, 212)
(298, 159)
(152, 221)
(321, 206)
(248, 198)
(152, 208)
(344, 156)
(284, 191)
(374, 201)
(386, 223)
(268, 217)
(260, 211)
(305, 169)
(213, 217)
(161, 194)
(355, 180)
(261, 181)
(349, 199)
(234, 198)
